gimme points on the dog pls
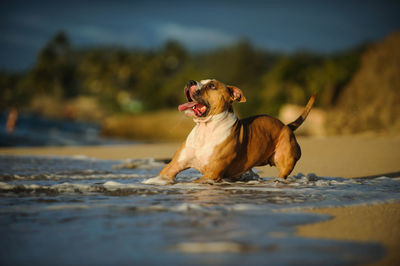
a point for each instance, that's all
(221, 146)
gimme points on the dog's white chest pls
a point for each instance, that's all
(203, 139)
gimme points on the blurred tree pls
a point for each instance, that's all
(55, 69)
(11, 94)
(294, 78)
(123, 80)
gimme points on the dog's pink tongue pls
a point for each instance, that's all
(185, 106)
(197, 108)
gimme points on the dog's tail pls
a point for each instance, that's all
(295, 124)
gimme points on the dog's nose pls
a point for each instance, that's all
(191, 83)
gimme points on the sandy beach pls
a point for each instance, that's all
(345, 156)
(370, 223)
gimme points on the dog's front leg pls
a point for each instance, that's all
(171, 170)
(168, 173)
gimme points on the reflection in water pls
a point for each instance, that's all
(86, 211)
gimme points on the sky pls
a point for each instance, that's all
(287, 26)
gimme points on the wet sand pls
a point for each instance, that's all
(348, 156)
(371, 223)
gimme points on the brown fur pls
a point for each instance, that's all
(253, 141)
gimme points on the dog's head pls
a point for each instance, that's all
(209, 97)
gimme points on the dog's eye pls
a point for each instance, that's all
(212, 86)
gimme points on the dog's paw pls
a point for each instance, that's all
(206, 181)
(158, 180)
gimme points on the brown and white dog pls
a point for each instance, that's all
(222, 146)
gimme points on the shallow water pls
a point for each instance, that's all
(83, 211)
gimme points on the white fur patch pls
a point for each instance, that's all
(204, 81)
(204, 137)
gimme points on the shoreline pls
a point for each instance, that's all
(339, 156)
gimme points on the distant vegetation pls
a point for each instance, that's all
(126, 90)
(89, 83)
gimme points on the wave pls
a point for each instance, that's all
(52, 176)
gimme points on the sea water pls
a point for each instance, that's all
(84, 211)
(34, 130)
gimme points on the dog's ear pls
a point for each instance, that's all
(236, 94)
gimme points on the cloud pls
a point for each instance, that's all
(33, 29)
(102, 35)
(194, 37)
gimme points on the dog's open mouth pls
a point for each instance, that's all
(197, 108)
